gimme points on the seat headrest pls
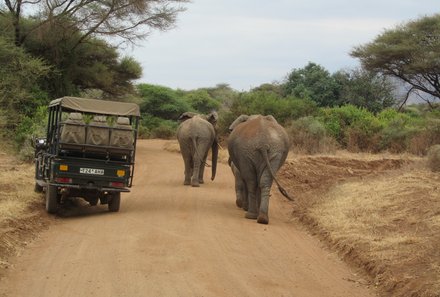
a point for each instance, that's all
(101, 119)
(76, 116)
(123, 121)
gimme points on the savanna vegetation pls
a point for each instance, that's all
(50, 52)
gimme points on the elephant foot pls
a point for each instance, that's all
(195, 185)
(263, 219)
(251, 215)
(186, 182)
(201, 181)
(238, 203)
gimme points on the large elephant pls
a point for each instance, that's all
(196, 135)
(258, 147)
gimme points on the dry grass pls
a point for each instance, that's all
(434, 158)
(16, 190)
(20, 207)
(381, 213)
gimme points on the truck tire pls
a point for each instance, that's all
(51, 199)
(114, 202)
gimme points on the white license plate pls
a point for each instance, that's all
(91, 171)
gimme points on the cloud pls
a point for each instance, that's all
(246, 43)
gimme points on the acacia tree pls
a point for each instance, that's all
(128, 20)
(409, 52)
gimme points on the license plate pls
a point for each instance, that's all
(91, 171)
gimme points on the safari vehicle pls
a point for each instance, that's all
(88, 152)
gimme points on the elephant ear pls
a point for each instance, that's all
(186, 116)
(239, 120)
(212, 118)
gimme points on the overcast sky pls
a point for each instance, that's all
(245, 43)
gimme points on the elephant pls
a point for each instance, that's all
(196, 134)
(258, 147)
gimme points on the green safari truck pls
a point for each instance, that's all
(88, 152)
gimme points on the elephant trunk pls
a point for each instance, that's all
(214, 149)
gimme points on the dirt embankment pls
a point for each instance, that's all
(381, 213)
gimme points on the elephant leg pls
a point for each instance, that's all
(251, 186)
(196, 172)
(241, 193)
(266, 181)
(188, 170)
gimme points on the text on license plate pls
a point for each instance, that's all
(91, 171)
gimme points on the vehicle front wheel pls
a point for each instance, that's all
(114, 202)
(51, 199)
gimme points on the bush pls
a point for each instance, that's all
(154, 127)
(413, 131)
(27, 130)
(164, 131)
(308, 135)
(269, 103)
(353, 127)
(434, 158)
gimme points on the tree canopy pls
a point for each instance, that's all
(312, 82)
(409, 52)
(127, 20)
(365, 89)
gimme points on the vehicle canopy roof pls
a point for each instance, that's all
(97, 106)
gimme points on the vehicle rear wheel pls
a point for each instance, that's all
(114, 202)
(51, 199)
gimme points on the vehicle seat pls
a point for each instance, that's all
(98, 134)
(73, 132)
(122, 134)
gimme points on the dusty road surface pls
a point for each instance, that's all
(174, 240)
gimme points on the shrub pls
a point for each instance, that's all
(434, 158)
(269, 103)
(353, 127)
(27, 130)
(154, 127)
(308, 135)
(163, 131)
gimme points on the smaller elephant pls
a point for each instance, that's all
(196, 135)
(258, 147)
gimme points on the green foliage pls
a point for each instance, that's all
(308, 135)
(409, 52)
(201, 101)
(364, 89)
(269, 103)
(162, 102)
(155, 127)
(354, 128)
(19, 90)
(312, 82)
(222, 93)
(28, 129)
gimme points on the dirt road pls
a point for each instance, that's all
(174, 240)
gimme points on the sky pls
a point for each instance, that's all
(245, 43)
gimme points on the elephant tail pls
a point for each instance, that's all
(197, 154)
(214, 150)
(280, 188)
